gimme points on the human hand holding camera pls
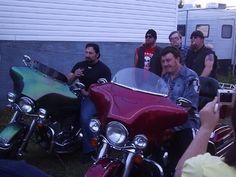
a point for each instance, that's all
(226, 99)
(209, 115)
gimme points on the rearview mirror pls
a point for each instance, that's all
(26, 60)
(181, 101)
(102, 81)
(79, 85)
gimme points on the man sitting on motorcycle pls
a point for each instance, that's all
(182, 82)
(88, 72)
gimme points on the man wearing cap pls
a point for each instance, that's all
(200, 58)
(148, 55)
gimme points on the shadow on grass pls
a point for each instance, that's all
(66, 165)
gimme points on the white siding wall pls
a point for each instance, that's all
(86, 20)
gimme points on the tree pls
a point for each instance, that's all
(198, 5)
(181, 4)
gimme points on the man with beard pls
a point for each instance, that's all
(88, 72)
(200, 58)
(182, 82)
(148, 55)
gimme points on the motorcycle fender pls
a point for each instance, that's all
(9, 132)
(105, 168)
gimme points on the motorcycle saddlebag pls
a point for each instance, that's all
(221, 139)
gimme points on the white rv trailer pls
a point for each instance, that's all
(219, 28)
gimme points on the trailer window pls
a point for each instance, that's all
(226, 31)
(181, 29)
(204, 28)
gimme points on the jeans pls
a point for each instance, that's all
(87, 111)
(178, 144)
(19, 168)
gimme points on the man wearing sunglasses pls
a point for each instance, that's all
(148, 55)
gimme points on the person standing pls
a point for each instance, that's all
(182, 82)
(175, 39)
(200, 58)
(88, 72)
(148, 55)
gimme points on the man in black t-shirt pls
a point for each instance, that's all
(88, 72)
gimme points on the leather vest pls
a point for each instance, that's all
(196, 60)
(155, 62)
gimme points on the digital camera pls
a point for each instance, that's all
(226, 97)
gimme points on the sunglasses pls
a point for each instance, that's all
(148, 36)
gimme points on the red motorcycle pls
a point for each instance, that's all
(135, 118)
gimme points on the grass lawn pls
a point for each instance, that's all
(67, 165)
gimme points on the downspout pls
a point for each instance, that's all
(234, 51)
(186, 29)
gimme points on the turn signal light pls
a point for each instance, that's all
(94, 143)
(138, 158)
(39, 125)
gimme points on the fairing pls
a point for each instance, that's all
(10, 132)
(47, 91)
(141, 111)
(105, 168)
(25, 77)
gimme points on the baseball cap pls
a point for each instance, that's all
(197, 33)
(152, 32)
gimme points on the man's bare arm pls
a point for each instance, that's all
(209, 62)
(209, 117)
(135, 59)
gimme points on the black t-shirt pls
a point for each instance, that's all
(92, 72)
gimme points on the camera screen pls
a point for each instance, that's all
(226, 97)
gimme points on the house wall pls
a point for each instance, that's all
(55, 32)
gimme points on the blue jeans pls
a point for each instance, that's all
(87, 111)
(19, 168)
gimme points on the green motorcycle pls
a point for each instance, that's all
(45, 111)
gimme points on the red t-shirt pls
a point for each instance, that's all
(148, 53)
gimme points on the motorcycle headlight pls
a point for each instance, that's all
(11, 97)
(26, 104)
(42, 113)
(140, 141)
(94, 125)
(116, 133)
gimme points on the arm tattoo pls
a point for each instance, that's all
(209, 57)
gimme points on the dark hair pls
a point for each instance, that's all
(197, 33)
(230, 157)
(173, 32)
(152, 32)
(172, 50)
(95, 47)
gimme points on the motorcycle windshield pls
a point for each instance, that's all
(141, 80)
